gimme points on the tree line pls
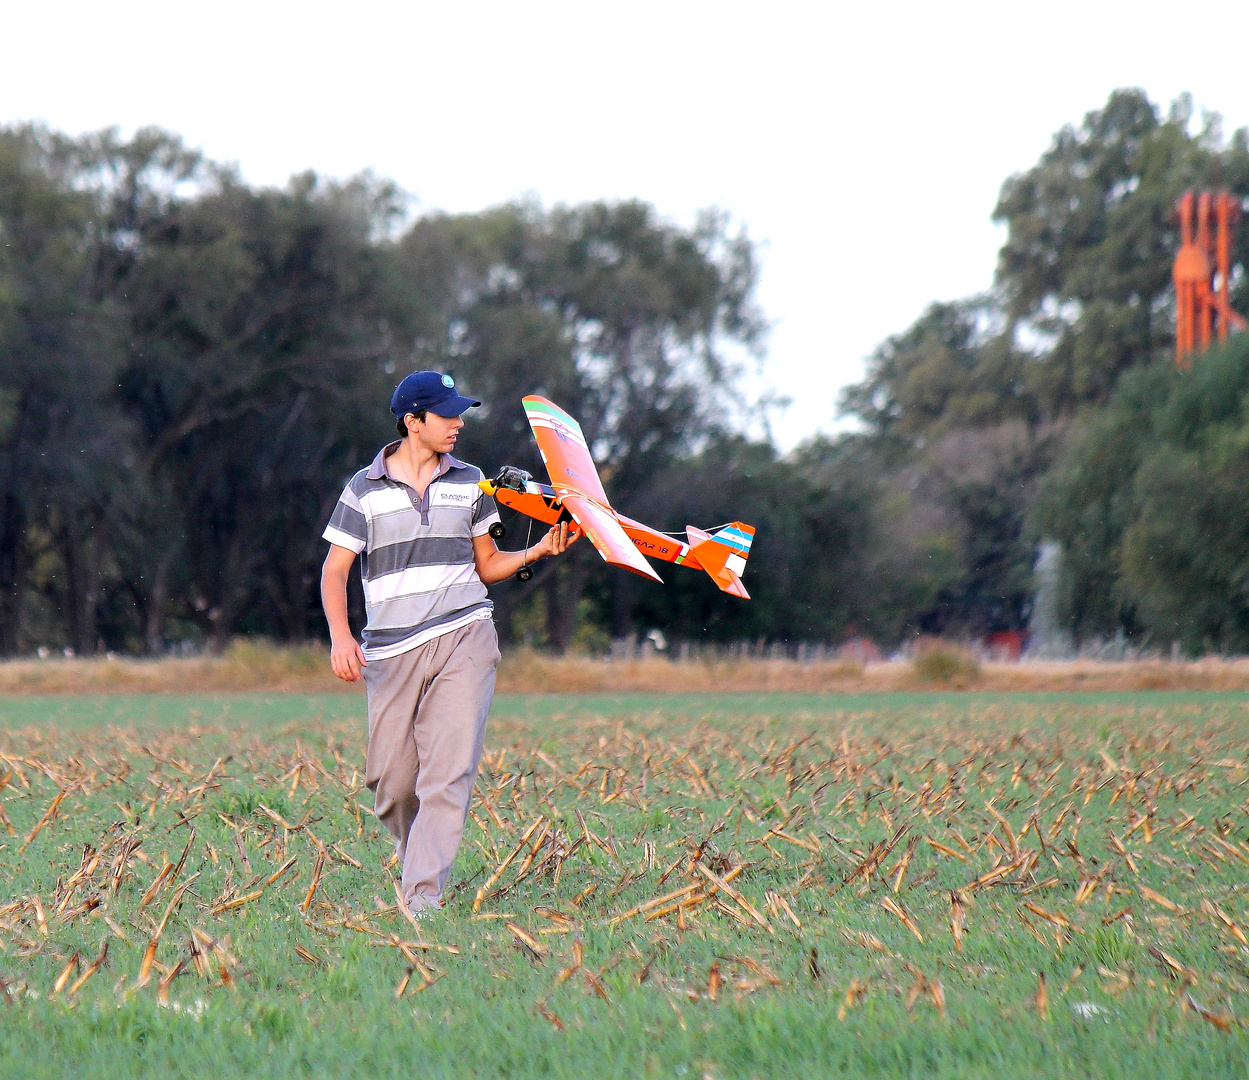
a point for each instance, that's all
(190, 368)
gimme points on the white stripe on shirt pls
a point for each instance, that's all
(342, 539)
(414, 580)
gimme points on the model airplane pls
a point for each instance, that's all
(576, 494)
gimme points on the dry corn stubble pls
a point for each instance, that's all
(698, 863)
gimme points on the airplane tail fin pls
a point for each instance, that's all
(723, 554)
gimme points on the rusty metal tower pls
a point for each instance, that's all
(1202, 272)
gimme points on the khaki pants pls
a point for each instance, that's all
(427, 724)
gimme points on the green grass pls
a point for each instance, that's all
(662, 783)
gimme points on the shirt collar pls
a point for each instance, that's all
(378, 469)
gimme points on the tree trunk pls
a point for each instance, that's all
(288, 584)
(295, 614)
(621, 605)
(157, 605)
(563, 594)
(82, 579)
(12, 573)
(231, 591)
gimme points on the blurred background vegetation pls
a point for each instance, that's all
(191, 367)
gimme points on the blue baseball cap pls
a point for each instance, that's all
(429, 391)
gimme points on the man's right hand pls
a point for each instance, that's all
(347, 658)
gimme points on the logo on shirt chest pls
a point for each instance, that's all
(449, 496)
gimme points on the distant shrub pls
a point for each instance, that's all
(252, 654)
(944, 662)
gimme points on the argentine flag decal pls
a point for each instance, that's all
(734, 537)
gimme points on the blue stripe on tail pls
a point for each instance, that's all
(733, 537)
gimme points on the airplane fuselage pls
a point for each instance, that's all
(542, 503)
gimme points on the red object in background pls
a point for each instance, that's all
(1006, 644)
(1204, 260)
(860, 650)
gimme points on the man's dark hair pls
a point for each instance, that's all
(402, 426)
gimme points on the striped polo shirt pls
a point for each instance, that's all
(416, 552)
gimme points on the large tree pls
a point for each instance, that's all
(1150, 503)
(256, 348)
(188, 362)
(61, 436)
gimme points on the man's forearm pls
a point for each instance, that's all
(494, 565)
(503, 564)
(334, 602)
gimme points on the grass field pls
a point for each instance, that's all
(771, 885)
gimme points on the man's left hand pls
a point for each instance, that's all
(556, 541)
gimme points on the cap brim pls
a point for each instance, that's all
(453, 406)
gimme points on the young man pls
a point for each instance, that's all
(420, 525)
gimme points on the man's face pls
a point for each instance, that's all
(436, 433)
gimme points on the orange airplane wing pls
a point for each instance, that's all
(564, 451)
(605, 533)
(576, 483)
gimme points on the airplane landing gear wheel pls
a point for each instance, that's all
(497, 530)
(524, 573)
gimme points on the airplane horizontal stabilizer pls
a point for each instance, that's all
(723, 554)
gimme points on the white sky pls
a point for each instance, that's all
(862, 145)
